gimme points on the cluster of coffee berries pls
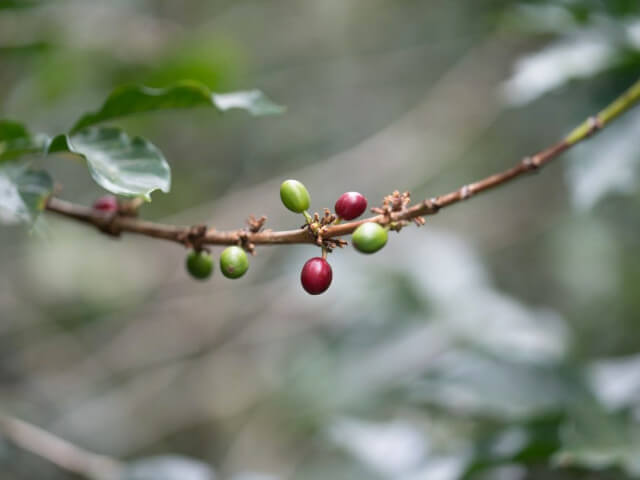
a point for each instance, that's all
(369, 237)
(316, 275)
(234, 263)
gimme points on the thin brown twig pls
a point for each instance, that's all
(198, 236)
(58, 451)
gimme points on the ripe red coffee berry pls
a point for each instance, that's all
(351, 205)
(107, 204)
(316, 275)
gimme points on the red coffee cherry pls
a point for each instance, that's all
(351, 205)
(107, 204)
(316, 275)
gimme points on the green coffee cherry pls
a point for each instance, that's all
(295, 196)
(199, 264)
(233, 262)
(369, 237)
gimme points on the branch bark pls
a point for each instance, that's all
(58, 451)
(199, 236)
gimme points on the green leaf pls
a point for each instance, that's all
(6, 4)
(595, 439)
(132, 99)
(10, 130)
(480, 384)
(253, 101)
(119, 164)
(25, 48)
(23, 193)
(15, 140)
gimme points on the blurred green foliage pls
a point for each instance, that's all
(500, 341)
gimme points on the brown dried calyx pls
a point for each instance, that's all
(396, 203)
(318, 228)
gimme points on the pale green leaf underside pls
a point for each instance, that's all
(23, 193)
(118, 163)
(133, 99)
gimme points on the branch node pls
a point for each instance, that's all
(595, 124)
(256, 224)
(432, 204)
(129, 208)
(465, 192)
(396, 226)
(530, 164)
(329, 244)
(328, 218)
(194, 237)
(243, 241)
(107, 223)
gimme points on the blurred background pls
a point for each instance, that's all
(499, 341)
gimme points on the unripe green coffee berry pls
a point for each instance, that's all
(199, 264)
(233, 262)
(369, 237)
(295, 196)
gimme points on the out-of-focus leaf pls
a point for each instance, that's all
(253, 101)
(15, 140)
(539, 18)
(254, 476)
(390, 449)
(616, 382)
(18, 3)
(119, 164)
(25, 49)
(10, 130)
(608, 164)
(530, 442)
(479, 384)
(22, 193)
(596, 440)
(168, 467)
(552, 67)
(133, 99)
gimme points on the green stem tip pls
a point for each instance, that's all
(307, 217)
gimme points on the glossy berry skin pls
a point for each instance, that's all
(369, 237)
(234, 262)
(107, 204)
(295, 196)
(199, 264)
(316, 276)
(350, 205)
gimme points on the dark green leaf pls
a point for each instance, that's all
(531, 442)
(15, 140)
(596, 440)
(22, 193)
(119, 164)
(132, 99)
(10, 130)
(18, 4)
(25, 48)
